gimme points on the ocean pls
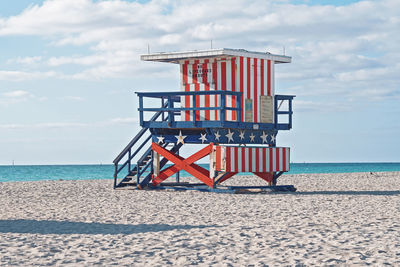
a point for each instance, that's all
(20, 173)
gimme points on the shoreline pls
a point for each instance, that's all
(332, 219)
(186, 177)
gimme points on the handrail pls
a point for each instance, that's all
(289, 112)
(172, 111)
(136, 138)
(183, 93)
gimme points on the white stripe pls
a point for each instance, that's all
(253, 159)
(189, 73)
(202, 102)
(280, 159)
(272, 77)
(246, 159)
(191, 89)
(258, 89)
(273, 159)
(245, 79)
(212, 104)
(182, 105)
(260, 159)
(209, 74)
(228, 88)
(239, 167)
(265, 77)
(267, 159)
(287, 159)
(232, 150)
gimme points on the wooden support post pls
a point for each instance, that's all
(156, 163)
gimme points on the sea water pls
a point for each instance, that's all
(87, 172)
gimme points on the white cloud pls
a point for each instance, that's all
(16, 94)
(335, 49)
(74, 98)
(13, 97)
(69, 125)
(8, 75)
(26, 60)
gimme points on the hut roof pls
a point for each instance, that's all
(176, 57)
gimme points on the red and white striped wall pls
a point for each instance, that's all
(253, 77)
(251, 159)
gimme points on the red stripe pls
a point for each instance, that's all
(257, 159)
(277, 159)
(269, 77)
(215, 80)
(288, 150)
(255, 92)
(248, 78)
(250, 159)
(228, 159)
(236, 158)
(206, 88)
(264, 159)
(270, 159)
(218, 158)
(243, 158)
(284, 159)
(241, 88)
(262, 76)
(233, 82)
(223, 75)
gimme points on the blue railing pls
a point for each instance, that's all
(169, 110)
(279, 100)
(173, 97)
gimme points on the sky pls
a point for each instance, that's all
(69, 70)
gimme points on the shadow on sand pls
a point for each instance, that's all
(351, 193)
(67, 227)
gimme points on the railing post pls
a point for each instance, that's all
(239, 108)
(222, 114)
(140, 110)
(129, 160)
(137, 173)
(276, 111)
(290, 113)
(115, 174)
(162, 113)
(170, 112)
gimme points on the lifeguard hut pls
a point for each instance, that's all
(227, 102)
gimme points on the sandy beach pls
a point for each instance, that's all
(332, 219)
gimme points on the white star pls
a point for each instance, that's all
(180, 138)
(264, 137)
(272, 138)
(160, 139)
(203, 138)
(252, 137)
(229, 135)
(217, 136)
(241, 135)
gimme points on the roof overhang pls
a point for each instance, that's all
(176, 57)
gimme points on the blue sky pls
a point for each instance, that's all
(68, 70)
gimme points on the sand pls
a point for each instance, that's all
(333, 219)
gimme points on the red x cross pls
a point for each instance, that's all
(184, 164)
